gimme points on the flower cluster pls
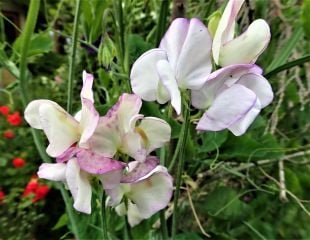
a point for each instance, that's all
(36, 190)
(232, 96)
(86, 146)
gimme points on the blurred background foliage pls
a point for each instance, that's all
(251, 187)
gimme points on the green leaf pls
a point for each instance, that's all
(188, 235)
(62, 221)
(212, 141)
(305, 17)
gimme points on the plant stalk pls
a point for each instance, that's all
(183, 138)
(161, 25)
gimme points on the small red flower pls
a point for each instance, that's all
(14, 119)
(2, 196)
(18, 162)
(31, 187)
(41, 192)
(4, 110)
(8, 134)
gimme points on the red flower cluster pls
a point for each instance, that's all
(2, 196)
(14, 119)
(18, 162)
(8, 134)
(4, 110)
(38, 190)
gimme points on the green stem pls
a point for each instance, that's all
(72, 56)
(288, 65)
(183, 138)
(103, 217)
(161, 26)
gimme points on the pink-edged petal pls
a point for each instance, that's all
(111, 179)
(116, 194)
(53, 171)
(168, 80)
(153, 193)
(240, 127)
(79, 186)
(156, 131)
(89, 121)
(260, 86)
(32, 115)
(139, 170)
(228, 108)
(174, 39)
(144, 77)
(133, 214)
(127, 106)
(227, 76)
(68, 154)
(194, 62)
(97, 164)
(87, 92)
(132, 144)
(61, 129)
(248, 46)
(106, 138)
(225, 30)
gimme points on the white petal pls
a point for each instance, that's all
(121, 209)
(168, 80)
(228, 108)
(225, 30)
(111, 179)
(61, 129)
(134, 216)
(157, 132)
(53, 171)
(194, 63)
(87, 92)
(248, 46)
(132, 144)
(144, 77)
(79, 187)
(260, 86)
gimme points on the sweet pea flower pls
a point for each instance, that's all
(233, 97)
(147, 187)
(124, 130)
(245, 48)
(181, 62)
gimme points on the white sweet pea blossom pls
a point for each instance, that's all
(182, 61)
(124, 130)
(232, 96)
(245, 48)
(147, 188)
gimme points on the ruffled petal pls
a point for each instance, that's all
(133, 214)
(87, 92)
(225, 30)
(60, 128)
(97, 164)
(228, 108)
(156, 131)
(152, 193)
(260, 86)
(53, 171)
(132, 144)
(248, 46)
(173, 40)
(144, 77)
(194, 62)
(111, 179)
(79, 187)
(240, 127)
(68, 154)
(168, 80)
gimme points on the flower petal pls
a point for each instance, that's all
(225, 30)
(68, 154)
(79, 187)
(260, 86)
(153, 193)
(111, 179)
(228, 108)
(156, 131)
(174, 39)
(144, 77)
(168, 80)
(53, 171)
(60, 128)
(133, 214)
(97, 164)
(194, 62)
(89, 121)
(140, 169)
(248, 46)
(87, 92)
(132, 144)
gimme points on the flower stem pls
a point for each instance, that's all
(103, 217)
(72, 55)
(161, 26)
(182, 139)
